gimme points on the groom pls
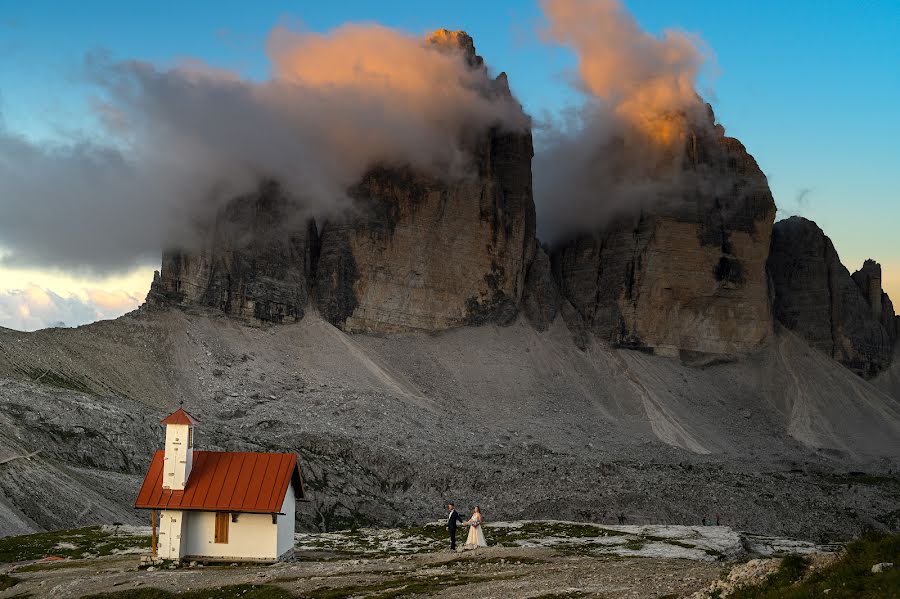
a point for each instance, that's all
(453, 518)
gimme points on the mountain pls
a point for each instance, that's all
(686, 274)
(416, 252)
(388, 427)
(846, 316)
(255, 263)
(678, 362)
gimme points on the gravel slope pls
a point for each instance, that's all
(388, 428)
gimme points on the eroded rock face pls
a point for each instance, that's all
(416, 252)
(847, 317)
(422, 253)
(868, 279)
(541, 300)
(687, 274)
(255, 265)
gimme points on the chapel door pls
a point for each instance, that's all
(221, 533)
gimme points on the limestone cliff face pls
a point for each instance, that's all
(541, 301)
(416, 252)
(868, 279)
(848, 317)
(687, 274)
(422, 253)
(255, 263)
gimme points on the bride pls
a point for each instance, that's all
(476, 536)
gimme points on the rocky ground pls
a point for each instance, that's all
(525, 559)
(389, 428)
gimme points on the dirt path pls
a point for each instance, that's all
(492, 572)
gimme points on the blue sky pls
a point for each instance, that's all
(811, 88)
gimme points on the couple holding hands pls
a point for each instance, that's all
(476, 536)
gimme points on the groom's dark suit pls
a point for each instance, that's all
(452, 519)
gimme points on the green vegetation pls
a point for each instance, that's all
(370, 543)
(635, 544)
(432, 532)
(7, 581)
(850, 576)
(238, 591)
(81, 542)
(55, 565)
(509, 537)
(565, 537)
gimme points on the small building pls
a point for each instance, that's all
(219, 505)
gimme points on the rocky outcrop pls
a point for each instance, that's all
(868, 279)
(254, 266)
(426, 253)
(416, 251)
(847, 317)
(688, 273)
(541, 301)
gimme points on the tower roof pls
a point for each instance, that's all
(179, 416)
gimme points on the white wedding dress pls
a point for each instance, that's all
(476, 535)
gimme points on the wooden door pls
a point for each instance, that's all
(222, 519)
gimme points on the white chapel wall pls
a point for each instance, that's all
(253, 536)
(286, 523)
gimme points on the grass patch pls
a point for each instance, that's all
(238, 591)
(510, 537)
(8, 582)
(850, 576)
(372, 543)
(81, 542)
(432, 537)
(432, 533)
(51, 566)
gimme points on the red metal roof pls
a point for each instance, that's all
(179, 416)
(225, 481)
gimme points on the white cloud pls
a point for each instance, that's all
(35, 307)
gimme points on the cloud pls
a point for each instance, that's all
(35, 307)
(622, 148)
(187, 139)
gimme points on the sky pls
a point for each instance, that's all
(811, 88)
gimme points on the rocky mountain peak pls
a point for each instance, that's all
(846, 316)
(456, 40)
(868, 278)
(416, 252)
(687, 272)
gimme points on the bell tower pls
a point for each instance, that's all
(179, 449)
